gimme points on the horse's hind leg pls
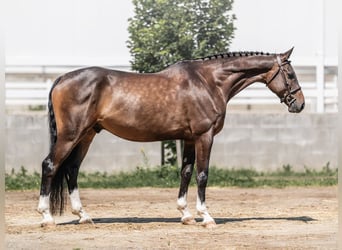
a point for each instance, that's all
(186, 173)
(55, 168)
(73, 164)
(50, 167)
(44, 198)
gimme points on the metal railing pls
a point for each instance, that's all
(27, 93)
(30, 93)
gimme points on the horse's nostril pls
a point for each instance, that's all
(302, 107)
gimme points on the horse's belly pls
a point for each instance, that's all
(145, 131)
(155, 121)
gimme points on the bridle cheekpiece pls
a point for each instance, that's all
(288, 97)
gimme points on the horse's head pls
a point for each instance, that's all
(282, 80)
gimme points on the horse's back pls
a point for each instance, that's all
(142, 107)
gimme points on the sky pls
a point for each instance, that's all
(67, 32)
(89, 32)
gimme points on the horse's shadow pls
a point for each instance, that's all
(144, 220)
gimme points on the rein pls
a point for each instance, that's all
(288, 97)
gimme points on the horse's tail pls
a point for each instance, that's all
(52, 120)
(57, 194)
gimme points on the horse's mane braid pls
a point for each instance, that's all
(233, 54)
(227, 55)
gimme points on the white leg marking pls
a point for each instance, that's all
(76, 204)
(183, 208)
(44, 209)
(77, 209)
(202, 211)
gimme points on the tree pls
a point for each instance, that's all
(163, 32)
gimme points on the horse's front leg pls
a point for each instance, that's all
(203, 149)
(186, 173)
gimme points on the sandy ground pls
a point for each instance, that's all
(147, 218)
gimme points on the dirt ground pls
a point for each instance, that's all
(147, 218)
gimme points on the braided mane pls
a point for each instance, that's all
(232, 54)
(226, 55)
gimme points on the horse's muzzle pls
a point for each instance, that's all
(296, 107)
(295, 101)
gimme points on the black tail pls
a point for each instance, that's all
(52, 120)
(57, 194)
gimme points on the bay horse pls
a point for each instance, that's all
(185, 101)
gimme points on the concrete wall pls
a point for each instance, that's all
(259, 141)
(269, 141)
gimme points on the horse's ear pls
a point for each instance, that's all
(285, 56)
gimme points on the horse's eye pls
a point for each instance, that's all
(291, 76)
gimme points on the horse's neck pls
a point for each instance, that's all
(232, 77)
(239, 82)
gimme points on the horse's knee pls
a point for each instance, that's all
(187, 172)
(202, 179)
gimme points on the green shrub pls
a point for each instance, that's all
(169, 176)
(22, 180)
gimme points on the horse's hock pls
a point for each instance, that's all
(261, 141)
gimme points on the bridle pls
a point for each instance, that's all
(288, 97)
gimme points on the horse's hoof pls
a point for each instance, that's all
(209, 224)
(86, 221)
(188, 221)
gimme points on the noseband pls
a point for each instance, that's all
(288, 97)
